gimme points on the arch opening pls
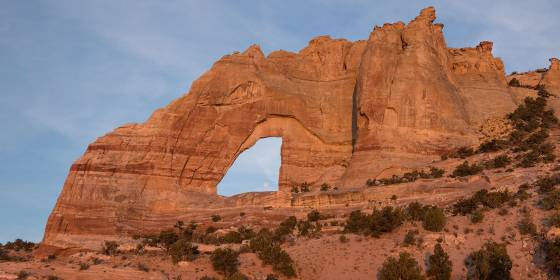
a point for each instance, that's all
(256, 169)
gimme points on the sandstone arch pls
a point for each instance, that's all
(346, 111)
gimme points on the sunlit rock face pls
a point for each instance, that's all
(346, 112)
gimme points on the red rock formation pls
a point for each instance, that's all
(346, 112)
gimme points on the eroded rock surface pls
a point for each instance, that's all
(346, 112)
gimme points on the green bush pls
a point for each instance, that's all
(551, 200)
(380, 221)
(410, 238)
(271, 277)
(434, 219)
(548, 183)
(19, 245)
(313, 216)
(325, 187)
(110, 248)
(243, 233)
(407, 177)
(216, 218)
(490, 262)
(237, 276)
(269, 251)
(403, 268)
(415, 211)
(465, 206)
(225, 261)
(514, 83)
(279, 259)
(466, 169)
(492, 199)
(286, 227)
(500, 161)
(167, 238)
(440, 266)
(493, 145)
(554, 220)
(463, 152)
(307, 228)
(526, 226)
(551, 250)
(477, 217)
(483, 197)
(183, 250)
(305, 187)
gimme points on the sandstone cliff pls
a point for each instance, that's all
(346, 112)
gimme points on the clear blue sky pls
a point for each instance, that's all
(73, 70)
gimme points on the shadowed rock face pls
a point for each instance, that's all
(346, 112)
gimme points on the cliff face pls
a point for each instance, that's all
(346, 112)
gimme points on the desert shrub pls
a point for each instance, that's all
(167, 238)
(19, 245)
(551, 250)
(279, 259)
(271, 277)
(23, 275)
(548, 183)
(490, 262)
(477, 217)
(269, 251)
(522, 195)
(550, 200)
(514, 83)
(343, 238)
(307, 228)
(483, 197)
(436, 172)
(466, 169)
(84, 266)
(110, 248)
(305, 187)
(380, 221)
(465, 206)
(216, 218)
(286, 227)
(526, 226)
(503, 212)
(325, 187)
(403, 268)
(407, 177)
(295, 189)
(410, 237)
(492, 199)
(143, 267)
(554, 220)
(4, 254)
(225, 261)
(313, 216)
(232, 237)
(237, 276)
(434, 219)
(500, 161)
(493, 145)
(183, 250)
(463, 152)
(208, 278)
(415, 211)
(440, 266)
(236, 236)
